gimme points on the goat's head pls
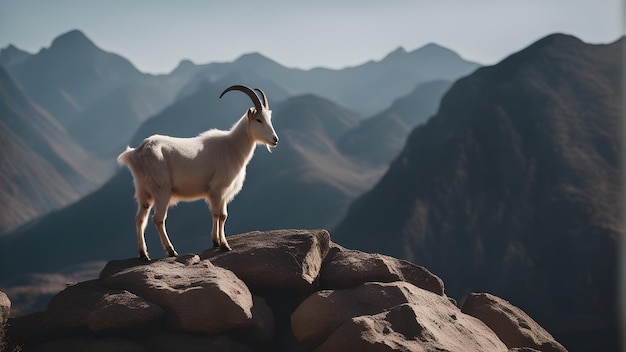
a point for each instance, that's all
(259, 118)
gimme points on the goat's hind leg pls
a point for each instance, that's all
(160, 214)
(144, 205)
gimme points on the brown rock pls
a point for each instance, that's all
(280, 259)
(90, 345)
(5, 308)
(324, 311)
(514, 327)
(176, 341)
(90, 304)
(198, 296)
(414, 327)
(345, 268)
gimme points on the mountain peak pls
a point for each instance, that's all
(400, 51)
(71, 39)
(254, 58)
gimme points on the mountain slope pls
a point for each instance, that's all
(513, 187)
(380, 138)
(42, 169)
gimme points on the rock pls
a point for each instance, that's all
(174, 341)
(297, 291)
(91, 304)
(413, 327)
(90, 345)
(280, 259)
(198, 296)
(514, 327)
(5, 308)
(324, 311)
(345, 268)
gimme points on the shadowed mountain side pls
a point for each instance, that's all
(514, 188)
(30, 185)
(96, 227)
(305, 174)
(380, 138)
(42, 169)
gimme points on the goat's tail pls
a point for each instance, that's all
(122, 159)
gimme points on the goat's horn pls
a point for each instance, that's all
(249, 92)
(265, 103)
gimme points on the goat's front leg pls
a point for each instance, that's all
(217, 233)
(218, 210)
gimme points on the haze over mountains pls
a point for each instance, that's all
(514, 187)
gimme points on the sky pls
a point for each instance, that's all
(155, 35)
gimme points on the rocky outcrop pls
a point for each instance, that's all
(279, 290)
(5, 308)
(514, 327)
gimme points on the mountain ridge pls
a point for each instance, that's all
(518, 180)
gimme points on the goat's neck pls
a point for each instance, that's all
(242, 145)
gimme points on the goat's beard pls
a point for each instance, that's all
(269, 148)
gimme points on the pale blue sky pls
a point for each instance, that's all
(156, 34)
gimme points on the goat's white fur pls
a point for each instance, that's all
(211, 166)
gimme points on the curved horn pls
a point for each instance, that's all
(265, 103)
(249, 92)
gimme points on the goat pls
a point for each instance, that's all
(211, 166)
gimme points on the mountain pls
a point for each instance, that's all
(42, 169)
(71, 74)
(99, 97)
(11, 56)
(367, 89)
(514, 188)
(380, 138)
(105, 126)
(305, 166)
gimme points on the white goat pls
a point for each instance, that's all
(210, 166)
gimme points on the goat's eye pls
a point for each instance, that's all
(259, 121)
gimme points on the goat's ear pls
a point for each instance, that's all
(251, 112)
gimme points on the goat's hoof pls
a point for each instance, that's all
(173, 253)
(144, 257)
(225, 247)
(216, 244)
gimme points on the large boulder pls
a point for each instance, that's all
(198, 296)
(345, 268)
(5, 308)
(98, 308)
(414, 327)
(514, 327)
(279, 259)
(322, 313)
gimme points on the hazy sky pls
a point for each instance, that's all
(156, 34)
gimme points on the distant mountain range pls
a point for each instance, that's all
(367, 89)
(514, 187)
(99, 99)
